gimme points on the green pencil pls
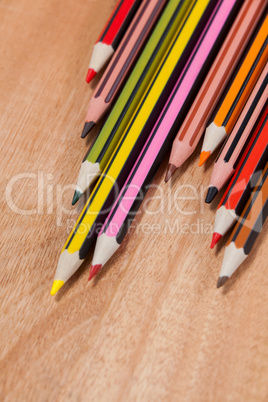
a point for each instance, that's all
(98, 155)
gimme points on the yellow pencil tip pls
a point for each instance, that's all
(204, 157)
(56, 287)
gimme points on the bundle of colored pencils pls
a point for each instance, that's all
(178, 69)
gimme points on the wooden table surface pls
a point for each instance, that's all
(152, 326)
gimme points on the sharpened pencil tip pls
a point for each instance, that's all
(221, 281)
(87, 127)
(215, 239)
(76, 197)
(212, 192)
(204, 157)
(94, 269)
(90, 75)
(171, 169)
(56, 287)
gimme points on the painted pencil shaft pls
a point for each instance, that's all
(160, 138)
(196, 120)
(234, 147)
(158, 44)
(226, 218)
(237, 91)
(111, 35)
(243, 181)
(111, 181)
(247, 229)
(122, 61)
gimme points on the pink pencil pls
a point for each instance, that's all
(143, 171)
(122, 61)
(241, 134)
(196, 120)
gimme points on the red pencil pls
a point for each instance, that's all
(122, 61)
(243, 181)
(111, 35)
(246, 230)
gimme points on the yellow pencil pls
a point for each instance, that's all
(109, 184)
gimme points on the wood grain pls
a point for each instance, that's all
(153, 326)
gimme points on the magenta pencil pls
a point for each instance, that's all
(159, 140)
(241, 134)
(196, 120)
(122, 61)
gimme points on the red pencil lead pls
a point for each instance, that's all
(215, 239)
(94, 269)
(90, 75)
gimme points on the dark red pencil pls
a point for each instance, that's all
(242, 183)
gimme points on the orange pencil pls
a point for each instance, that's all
(237, 91)
(242, 134)
(195, 122)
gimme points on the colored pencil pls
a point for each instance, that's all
(122, 61)
(159, 140)
(195, 122)
(111, 181)
(235, 145)
(111, 35)
(246, 231)
(158, 44)
(237, 91)
(242, 183)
